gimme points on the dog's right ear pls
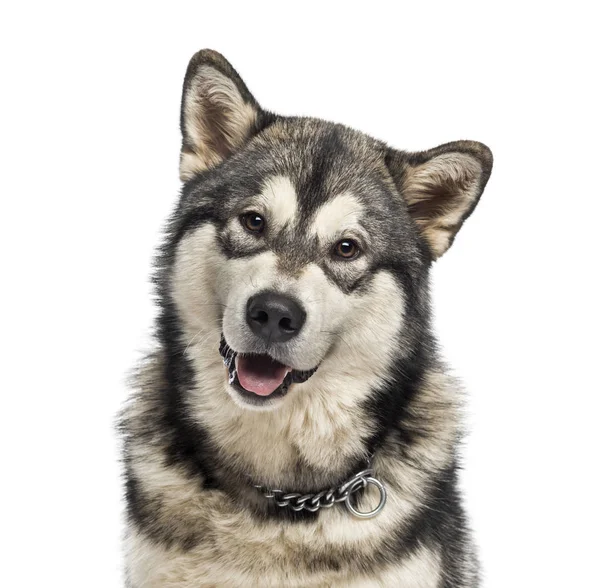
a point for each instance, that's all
(218, 113)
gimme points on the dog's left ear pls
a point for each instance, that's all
(441, 187)
(218, 113)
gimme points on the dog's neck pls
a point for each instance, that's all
(323, 432)
(315, 437)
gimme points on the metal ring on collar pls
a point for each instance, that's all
(372, 513)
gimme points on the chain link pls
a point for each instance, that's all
(327, 498)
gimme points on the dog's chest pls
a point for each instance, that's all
(222, 562)
(229, 547)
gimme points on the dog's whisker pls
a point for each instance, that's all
(191, 341)
(208, 336)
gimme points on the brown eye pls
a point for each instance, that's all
(253, 222)
(346, 249)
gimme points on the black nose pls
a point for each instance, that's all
(274, 317)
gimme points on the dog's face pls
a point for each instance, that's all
(301, 245)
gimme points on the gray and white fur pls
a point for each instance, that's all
(195, 442)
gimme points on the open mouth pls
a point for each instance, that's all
(259, 377)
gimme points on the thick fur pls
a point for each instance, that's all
(193, 448)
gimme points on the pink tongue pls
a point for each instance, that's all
(260, 374)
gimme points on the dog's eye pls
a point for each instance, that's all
(346, 249)
(253, 222)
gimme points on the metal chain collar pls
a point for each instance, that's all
(327, 498)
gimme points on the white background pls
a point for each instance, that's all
(89, 153)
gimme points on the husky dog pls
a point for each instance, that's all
(295, 425)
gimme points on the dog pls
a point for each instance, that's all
(294, 425)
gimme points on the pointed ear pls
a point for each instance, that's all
(441, 187)
(218, 113)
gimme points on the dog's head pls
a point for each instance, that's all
(303, 246)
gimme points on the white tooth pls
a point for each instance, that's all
(233, 372)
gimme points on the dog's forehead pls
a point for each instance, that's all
(322, 175)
